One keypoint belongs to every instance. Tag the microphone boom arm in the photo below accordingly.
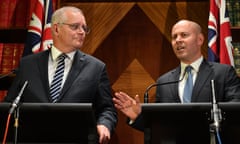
(157, 84)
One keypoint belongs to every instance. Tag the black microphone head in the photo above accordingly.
(8, 74)
(14, 71)
(146, 97)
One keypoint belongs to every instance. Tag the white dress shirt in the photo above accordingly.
(52, 63)
(195, 68)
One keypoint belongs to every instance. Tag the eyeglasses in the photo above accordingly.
(76, 26)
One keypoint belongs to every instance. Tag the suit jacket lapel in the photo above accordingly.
(77, 65)
(174, 87)
(202, 76)
(43, 70)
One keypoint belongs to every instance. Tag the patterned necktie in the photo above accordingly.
(187, 93)
(56, 84)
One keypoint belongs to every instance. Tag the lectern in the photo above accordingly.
(51, 123)
(188, 123)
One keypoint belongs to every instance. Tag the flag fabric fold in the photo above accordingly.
(39, 31)
(220, 47)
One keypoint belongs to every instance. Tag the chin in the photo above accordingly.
(181, 57)
(79, 45)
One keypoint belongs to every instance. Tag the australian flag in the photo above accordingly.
(220, 47)
(39, 31)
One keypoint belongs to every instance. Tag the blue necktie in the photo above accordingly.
(56, 84)
(187, 93)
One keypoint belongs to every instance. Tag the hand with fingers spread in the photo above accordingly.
(127, 105)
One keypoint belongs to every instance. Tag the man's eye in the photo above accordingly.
(75, 26)
(184, 35)
(174, 37)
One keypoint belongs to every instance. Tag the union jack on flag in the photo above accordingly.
(220, 47)
(39, 31)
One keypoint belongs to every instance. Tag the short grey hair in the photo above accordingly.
(60, 14)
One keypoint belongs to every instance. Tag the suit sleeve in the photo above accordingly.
(232, 85)
(105, 111)
(14, 88)
(138, 123)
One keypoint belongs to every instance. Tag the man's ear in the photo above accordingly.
(200, 39)
(55, 29)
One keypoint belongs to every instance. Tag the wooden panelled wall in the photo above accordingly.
(133, 39)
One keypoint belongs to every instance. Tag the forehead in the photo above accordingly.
(75, 16)
(182, 27)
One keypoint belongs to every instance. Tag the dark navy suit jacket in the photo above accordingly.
(226, 81)
(87, 82)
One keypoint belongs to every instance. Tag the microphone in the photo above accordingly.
(8, 74)
(215, 112)
(17, 99)
(158, 84)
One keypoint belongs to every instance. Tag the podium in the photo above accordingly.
(51, 123)
(175, 123)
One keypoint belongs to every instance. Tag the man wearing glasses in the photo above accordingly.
(64, 74)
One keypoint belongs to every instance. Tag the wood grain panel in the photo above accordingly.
(165, 14)
(162, 14)
(133, 39)
(101, 18)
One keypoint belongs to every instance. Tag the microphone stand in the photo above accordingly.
(17, 99)
(15, 108)
(16, 116)
(216, 118)
(158, 84)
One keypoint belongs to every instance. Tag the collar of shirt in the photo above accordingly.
(195, 65)
(52, 63)
(55, 53)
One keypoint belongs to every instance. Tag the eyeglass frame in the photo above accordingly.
(76, 26)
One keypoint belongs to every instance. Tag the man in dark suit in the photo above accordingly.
(187, 40)
(85, 78)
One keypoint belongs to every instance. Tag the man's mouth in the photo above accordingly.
(180, 47)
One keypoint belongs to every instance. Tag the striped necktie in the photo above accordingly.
(56, 84)
(187, 93)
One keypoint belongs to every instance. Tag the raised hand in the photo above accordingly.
(127, 105)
